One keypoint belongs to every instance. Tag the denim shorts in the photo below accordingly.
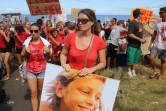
(38, 75)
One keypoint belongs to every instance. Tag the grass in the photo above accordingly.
(140, 93)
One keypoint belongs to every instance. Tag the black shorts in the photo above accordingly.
(112, 50)
(18, 50)
(4, 50)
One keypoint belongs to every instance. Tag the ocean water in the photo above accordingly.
(69, 18)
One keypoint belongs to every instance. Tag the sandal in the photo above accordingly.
(160, 77)
(6, 78)
(154, 75)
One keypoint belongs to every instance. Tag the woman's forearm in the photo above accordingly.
(99, 66)
(63, 59)
(6, 38)
(19, 40)
(57, 43)
(102, 61)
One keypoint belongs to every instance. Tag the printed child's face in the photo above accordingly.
(83, 94)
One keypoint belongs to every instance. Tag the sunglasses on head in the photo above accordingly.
(160, 13)
(36, 31)
(83, 21)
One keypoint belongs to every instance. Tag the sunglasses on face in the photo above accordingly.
(112, 21)
(83, 21)
(36, 31)
(141, 13)
(160, 13)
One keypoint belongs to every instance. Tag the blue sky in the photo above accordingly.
(107, 7)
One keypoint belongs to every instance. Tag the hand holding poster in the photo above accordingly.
(71, 92)
(44, 7)
(147, 13)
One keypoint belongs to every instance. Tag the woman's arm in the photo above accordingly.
(63, 55)
(48, 52)
(7, 37)
(56, 42)
(25, 51)
(19, 39)
(100, 65)
(63, 58)
(102, 60)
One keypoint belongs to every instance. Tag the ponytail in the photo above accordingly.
(96, 28)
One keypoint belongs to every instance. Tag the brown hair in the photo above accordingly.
(48, 24)
(121, 22)
(163, 9)
(70, 25)
(54, 30)
(95, 29)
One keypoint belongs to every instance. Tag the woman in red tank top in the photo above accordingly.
(20, 37)
(56, 42)
(78, 43)
(36, 63)
(5, 51)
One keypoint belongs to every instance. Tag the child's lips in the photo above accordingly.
(84, 108)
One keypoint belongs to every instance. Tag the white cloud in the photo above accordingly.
(8, 10)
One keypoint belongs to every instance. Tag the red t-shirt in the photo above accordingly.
(62, 33)
(43, 25)
(23, 36)
(2, 43)
(77, 57)
(55, 47)
(36, 60)
(123, 34)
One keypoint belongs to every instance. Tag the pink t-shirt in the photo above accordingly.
(77, 57)
(36, 61)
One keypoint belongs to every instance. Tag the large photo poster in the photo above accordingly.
(67, 91)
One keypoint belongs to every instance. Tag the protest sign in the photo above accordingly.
(149, 27)
(144, 47)
(148, 31)
(75, 11)
(61, 17)
(12, 18)
(44, 7)
(147, 13)
(79, 90)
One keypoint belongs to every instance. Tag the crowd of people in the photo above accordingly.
(86, 46)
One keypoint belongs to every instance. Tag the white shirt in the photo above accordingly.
(115, 35)
(160, 27)
(28, 40)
